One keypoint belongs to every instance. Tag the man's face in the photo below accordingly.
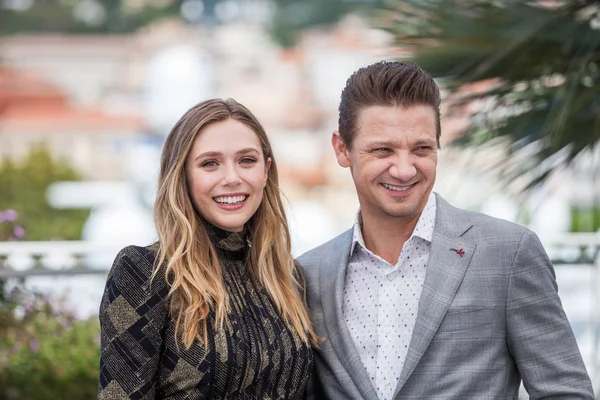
(393, 160)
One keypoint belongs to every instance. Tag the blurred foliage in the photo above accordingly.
(104, 16)
(23, 188)
(119, 16)
(45, 353)
(530, 69)
(585, 219)
(292, 16)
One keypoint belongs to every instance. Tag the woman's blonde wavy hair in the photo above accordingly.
(185, 251)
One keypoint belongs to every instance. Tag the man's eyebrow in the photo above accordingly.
(392, 143)
(383, 143)
(425, 141)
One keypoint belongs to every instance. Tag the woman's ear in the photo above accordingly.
(267, 167)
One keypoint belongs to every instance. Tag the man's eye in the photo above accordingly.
(383, 150)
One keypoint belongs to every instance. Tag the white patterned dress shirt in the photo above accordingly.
(381, 301)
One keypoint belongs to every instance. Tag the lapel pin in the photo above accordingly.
(460, 252)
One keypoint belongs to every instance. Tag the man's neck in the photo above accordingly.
(385, 237)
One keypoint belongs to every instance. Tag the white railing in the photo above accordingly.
(22, 259)
(53, 258)
(574, 248)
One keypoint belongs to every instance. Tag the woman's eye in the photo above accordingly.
(209, 163)
(248, 160)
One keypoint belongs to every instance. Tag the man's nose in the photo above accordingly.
(403, 167)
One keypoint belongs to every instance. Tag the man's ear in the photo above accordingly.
(341, 151)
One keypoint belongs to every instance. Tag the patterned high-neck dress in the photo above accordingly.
(255, 356)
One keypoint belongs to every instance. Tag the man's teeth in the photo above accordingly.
(230, 199)
(397, 188)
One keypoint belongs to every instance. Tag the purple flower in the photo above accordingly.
(11, 215)
(34, 345)
(19, 232)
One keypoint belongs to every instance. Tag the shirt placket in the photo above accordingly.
(387, 327)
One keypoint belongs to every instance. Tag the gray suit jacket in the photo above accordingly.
(487, 319)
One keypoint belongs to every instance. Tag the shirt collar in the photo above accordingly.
(422, 230)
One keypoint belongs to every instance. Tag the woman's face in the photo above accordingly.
(226, 174)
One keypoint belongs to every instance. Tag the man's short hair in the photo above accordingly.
(386, 83)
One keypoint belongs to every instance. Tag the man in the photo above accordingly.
(421, 300)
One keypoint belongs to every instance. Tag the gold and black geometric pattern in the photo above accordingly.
(255, 356)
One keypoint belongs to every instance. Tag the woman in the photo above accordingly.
(215, 309)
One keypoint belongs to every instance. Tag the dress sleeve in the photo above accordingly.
(133, 315)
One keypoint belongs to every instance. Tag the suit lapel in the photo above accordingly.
(445, 271)
(332, 278)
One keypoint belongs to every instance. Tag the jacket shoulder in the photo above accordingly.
(450, 214)
(487, 225)
(313, 256)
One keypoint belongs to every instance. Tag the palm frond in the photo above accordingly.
(540, 65)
